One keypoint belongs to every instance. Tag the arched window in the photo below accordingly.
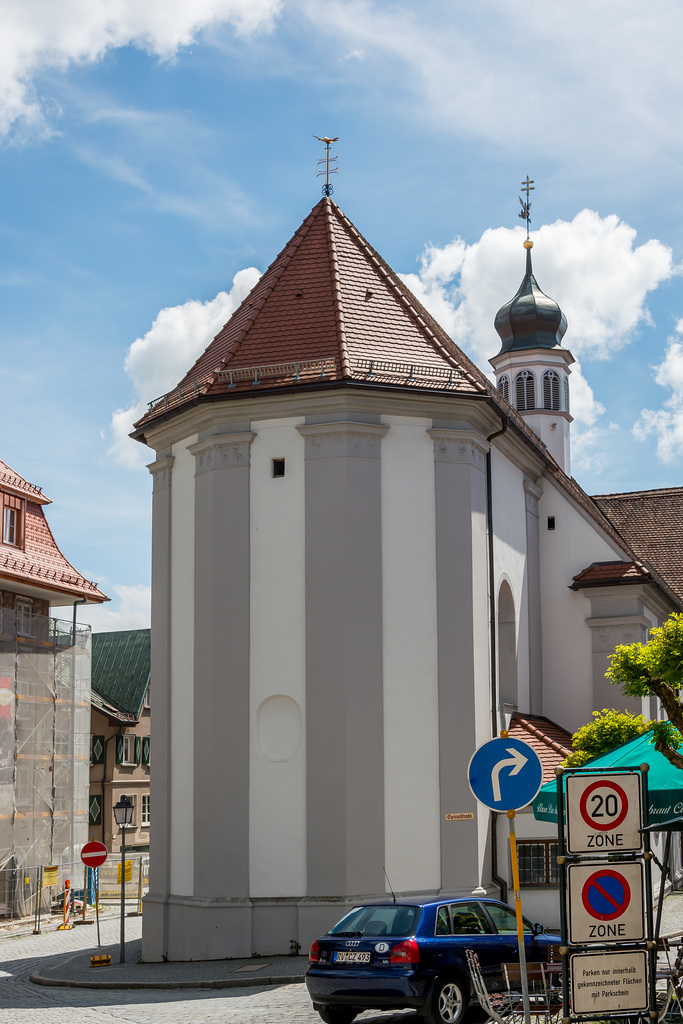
(504, 387)
(566, 393)
(551, 390)
(525, 391)
(507, 647)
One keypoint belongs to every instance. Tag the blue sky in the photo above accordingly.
(155, 157)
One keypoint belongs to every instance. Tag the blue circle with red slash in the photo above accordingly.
(606, 894)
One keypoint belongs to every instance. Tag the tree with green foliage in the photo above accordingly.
(655, 669)
(609, 729)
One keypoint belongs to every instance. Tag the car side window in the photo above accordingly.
(443, 924)
(505, 920)
(468, 919)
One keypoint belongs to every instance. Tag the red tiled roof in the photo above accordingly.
(40, 563)
(651, 522)
(327, 309)
(605, 574)
(551, 742)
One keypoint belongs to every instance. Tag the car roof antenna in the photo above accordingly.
(389, 884)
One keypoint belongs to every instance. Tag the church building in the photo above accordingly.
(364, 555)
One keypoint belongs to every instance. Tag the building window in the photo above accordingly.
(147, 699)
(551, 390)
(12, 520)
(97, 750)
(144, 810)
(566, 393)
(525, 390)
(551, 522)
(128, 749)
(537, 862)
(145, 749)
(23, 608)
(504, 387)
(95, 810)
(278, 467)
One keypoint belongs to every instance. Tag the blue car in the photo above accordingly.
(393, 956)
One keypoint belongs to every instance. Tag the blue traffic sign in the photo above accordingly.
(505, 774)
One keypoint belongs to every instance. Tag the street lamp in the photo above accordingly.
(123, 814)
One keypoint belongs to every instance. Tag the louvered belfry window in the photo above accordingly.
(525, 391)
(551, 390)
(566, 393)
(504, 387)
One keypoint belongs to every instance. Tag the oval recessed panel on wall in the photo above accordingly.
(279, 728)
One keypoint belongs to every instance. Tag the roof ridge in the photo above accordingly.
(336, 289)
(553, 744)
(643, 493)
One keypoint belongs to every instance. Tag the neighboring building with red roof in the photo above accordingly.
(364, 553)
(44, 698)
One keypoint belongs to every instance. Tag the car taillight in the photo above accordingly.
(407, 952)
(314, 953)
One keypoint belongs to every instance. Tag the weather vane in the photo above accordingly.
(527, 186)
(330, 164)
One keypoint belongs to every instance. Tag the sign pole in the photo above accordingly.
(97, 903)
(652, 938)
(518, 915)
(36, 930)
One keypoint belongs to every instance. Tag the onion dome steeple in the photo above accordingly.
(531, 319)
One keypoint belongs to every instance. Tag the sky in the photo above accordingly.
(155, 157)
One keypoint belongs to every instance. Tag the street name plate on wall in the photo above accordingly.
(606, 902)
(603, 813)
(609, 982)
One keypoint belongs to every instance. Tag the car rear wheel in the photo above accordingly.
(449, 1002)
(337, 1014)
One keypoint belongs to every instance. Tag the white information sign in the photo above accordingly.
(608, 982)
(606, 902)
(603, 813)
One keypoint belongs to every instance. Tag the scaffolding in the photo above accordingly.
(44, 750)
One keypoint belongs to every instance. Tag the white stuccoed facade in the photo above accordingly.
(322, 652)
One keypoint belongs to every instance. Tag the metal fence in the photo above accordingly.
(20, 886)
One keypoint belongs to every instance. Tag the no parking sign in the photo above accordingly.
(606, 903)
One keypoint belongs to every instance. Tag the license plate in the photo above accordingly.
(351, 957)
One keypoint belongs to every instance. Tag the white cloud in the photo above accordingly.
(39, 34)
(590, 265)
(156, 362)
(129, 609)
(666, 424)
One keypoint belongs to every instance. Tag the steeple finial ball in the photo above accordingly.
(528, 244)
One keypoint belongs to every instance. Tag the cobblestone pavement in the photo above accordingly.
(22, 1002)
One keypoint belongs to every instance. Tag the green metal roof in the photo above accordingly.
(121, 667)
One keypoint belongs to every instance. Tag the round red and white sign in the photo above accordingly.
(604, 812)
(603, 805)
(93, 854)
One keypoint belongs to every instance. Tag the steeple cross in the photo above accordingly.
(330, 163)
(527, 186)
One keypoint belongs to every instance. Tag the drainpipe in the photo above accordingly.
(495, 877)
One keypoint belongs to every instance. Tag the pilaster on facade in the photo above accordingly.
(466, 447)
(229, 451)
(342, 440)
(162, 472)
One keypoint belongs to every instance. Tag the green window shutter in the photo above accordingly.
(119, 749)
(145, 749)
(97, 749)
(95, 810)
(138, 749)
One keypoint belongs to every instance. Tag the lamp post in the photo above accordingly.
(123, 815)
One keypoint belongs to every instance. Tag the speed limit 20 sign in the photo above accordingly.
(604, 813)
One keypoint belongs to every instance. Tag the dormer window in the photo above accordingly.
(12, 520)
(551, 390)
(525, 390)
(504, 387)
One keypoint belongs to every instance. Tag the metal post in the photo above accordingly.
(122, 953)
(520, 920)
(97, 904)
(651, 940)
(562, 865)
(36, 930)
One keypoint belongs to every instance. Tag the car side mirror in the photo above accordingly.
(538, 929)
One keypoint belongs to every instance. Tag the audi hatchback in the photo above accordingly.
(393, 956)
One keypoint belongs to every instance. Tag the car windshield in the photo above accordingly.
(378, 920)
